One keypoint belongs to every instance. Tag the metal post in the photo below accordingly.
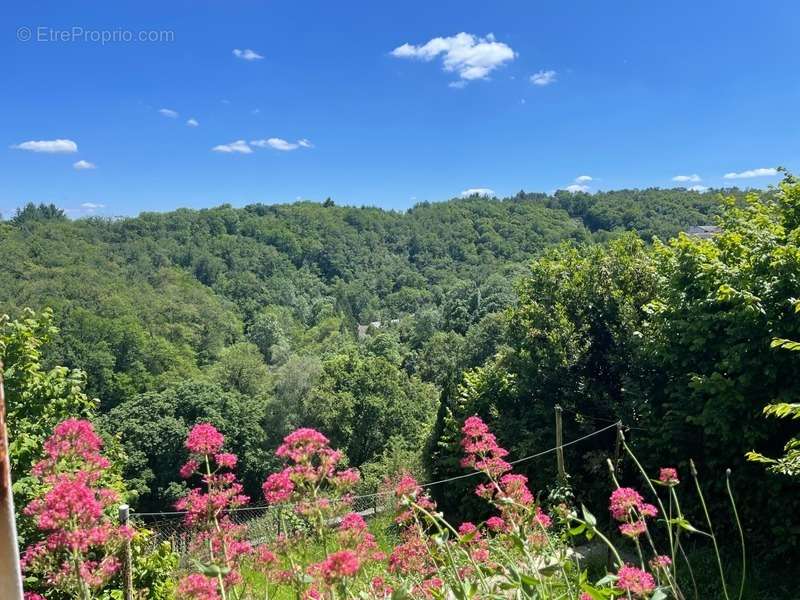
(10, 575)
(562, 473)
(127, 563)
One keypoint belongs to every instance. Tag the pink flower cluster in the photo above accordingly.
(312, 471)
(80, 541)
(481, 449)
(217, 539)
(204, 439)
(507, 491)
(628, 507)
(198, 587)
(669, 476)
(634, 581)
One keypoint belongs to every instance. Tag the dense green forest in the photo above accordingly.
(385, 329)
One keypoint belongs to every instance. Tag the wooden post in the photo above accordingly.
(127, 563)
(562, 472)
(10, 575)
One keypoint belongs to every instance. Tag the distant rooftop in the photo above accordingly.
(703, 231)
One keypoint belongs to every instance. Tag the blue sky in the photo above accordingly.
(385, 103)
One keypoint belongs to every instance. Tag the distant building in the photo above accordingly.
(703, 231)
(363, 329)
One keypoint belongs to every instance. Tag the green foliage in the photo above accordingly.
(719, 304)
(362, 401)
(789, 463)
(153, 425)
(571, 340)
(37, 399)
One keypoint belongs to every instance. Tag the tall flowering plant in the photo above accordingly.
(318, 491)
(78, 553)
(218, 545)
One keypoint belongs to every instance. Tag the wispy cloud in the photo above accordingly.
(477, 192)
(470, 56)
(575, 188)
(684, 178)
(580, 184)
(83, 165)
(92, 206)
(192, 123)
(48, 146)
(543, 78)
(168, 112)
(763, 172)
(239, 146)
(699, 188)
(281, 144)
(247, 54)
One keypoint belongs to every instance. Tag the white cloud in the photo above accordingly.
(693, 178)
(192, 123)
(583, 179)
(239, 146)
(699, 188)
(477, 191)
(92, 205)
(49, 146)
(543, 78)
(281, 144)
(247, 54)
(763, 172)
(83, 165)
(470, 56)
(575, 188)
(168, 112)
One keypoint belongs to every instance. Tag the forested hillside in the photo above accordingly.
(389, 330)
(255, 310)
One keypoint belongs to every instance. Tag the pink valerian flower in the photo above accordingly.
(636, 582)
(204, 439)
(353, 522)
(300, 445)
(542, 519)
(623, 501)
(33, 596)
(515, 487)
(412, 556)
(198, 587)
(73, 446)
(409, 493)
(407, 486)
(79, 541)
(189, 468)
(217, 539)
(427, 587)
(226, 460)
(585, 596)
(467, 528)
(648, 510)
(633, 529)
(668, 476)
(337, 566)
(481, 449)
(497, 524)
(278, 487)
(660, 562)
(379, 587)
